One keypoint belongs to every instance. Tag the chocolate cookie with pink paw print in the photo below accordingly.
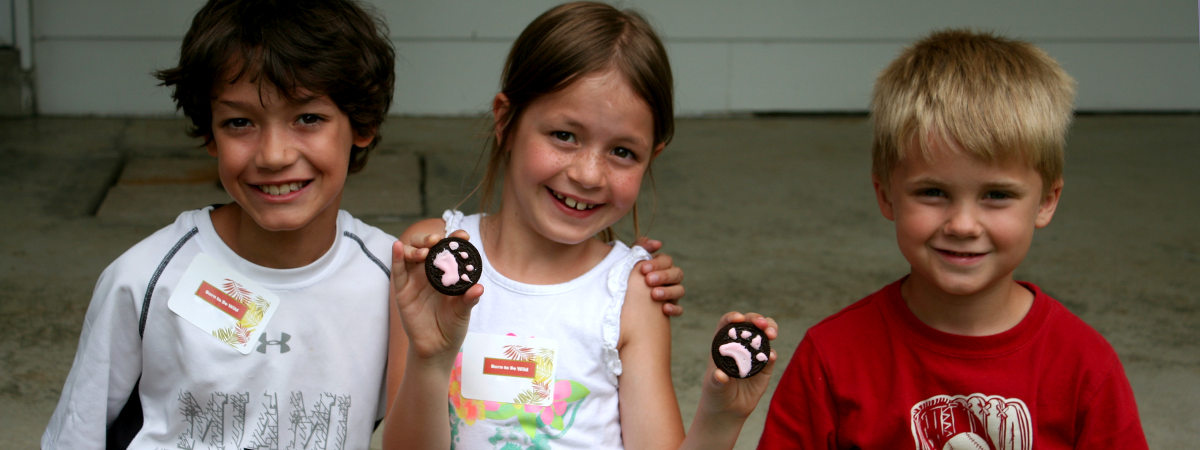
(453, 266)
(741, 350)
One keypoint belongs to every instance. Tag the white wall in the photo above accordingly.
(809, 55)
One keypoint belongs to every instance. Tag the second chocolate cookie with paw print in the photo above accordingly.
(741, 350)
(453, 266)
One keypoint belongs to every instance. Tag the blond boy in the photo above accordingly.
(968, 156)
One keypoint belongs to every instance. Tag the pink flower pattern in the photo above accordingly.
(562, 390)
(466, 409)
(471, 411)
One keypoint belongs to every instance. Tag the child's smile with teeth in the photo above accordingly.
(283, 162)
(577, 157)
(280, 189)
(572, 203)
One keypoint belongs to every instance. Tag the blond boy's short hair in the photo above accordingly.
(997, 98)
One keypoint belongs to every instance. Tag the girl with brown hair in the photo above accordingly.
(566, 349)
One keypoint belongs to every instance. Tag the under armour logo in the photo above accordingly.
(282, 343)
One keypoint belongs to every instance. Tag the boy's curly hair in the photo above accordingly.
(997, 98)
(323, 47)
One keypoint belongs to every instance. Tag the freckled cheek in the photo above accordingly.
(532, 163)
(625, 188)
(541, 169)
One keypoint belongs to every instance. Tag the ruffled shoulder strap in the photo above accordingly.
(618, 284)
(453, 220)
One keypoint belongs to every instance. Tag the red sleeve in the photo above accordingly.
(1110, 418)
(802, 412)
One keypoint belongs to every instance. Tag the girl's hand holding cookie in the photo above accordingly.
(726, 401)
(435, 323)
(742, 347)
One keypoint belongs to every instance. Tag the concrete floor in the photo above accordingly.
(774, 215)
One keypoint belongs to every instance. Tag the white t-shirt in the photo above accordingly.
(584, 317)
(314, 380)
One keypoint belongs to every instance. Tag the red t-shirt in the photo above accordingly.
(873, 376)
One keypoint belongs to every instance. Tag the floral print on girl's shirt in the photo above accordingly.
(536, 425)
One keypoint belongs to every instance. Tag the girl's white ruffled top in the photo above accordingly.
(584, 317)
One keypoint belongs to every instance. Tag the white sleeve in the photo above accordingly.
(618, 286)
(108, 362)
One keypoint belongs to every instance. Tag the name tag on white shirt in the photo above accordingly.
(509, 369)
(232, 308)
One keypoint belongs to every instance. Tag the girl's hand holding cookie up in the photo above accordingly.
(434, 327)
(435, 323)
(726, 401)
(731, 394)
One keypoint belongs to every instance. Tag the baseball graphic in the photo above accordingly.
(974, 422)
(967, 441)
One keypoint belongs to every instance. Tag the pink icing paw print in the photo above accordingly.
(741, 350)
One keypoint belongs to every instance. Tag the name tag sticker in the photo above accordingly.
(232, 308)
(509, 369)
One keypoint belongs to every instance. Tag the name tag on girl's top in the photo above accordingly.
(232, 308)
(509, 369)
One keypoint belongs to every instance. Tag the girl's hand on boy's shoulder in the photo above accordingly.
(435, 323)
(663, 277)
(734, 396)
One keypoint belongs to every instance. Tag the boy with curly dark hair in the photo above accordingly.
(289, 97)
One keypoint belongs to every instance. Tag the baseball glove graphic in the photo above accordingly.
(973, 422)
